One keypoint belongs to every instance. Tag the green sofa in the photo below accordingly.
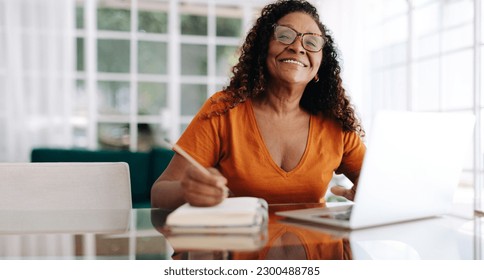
(144, 167)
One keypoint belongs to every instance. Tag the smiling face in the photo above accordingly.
(292, 64)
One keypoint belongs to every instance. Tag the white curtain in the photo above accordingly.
(37, 75)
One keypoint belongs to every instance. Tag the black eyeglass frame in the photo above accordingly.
(299, 34)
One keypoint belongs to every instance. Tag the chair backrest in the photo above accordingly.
(138, 162)
(65, 185)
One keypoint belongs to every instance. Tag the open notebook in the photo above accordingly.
(233, 215)
(410, 171)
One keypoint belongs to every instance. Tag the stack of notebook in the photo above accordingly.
(238, 223)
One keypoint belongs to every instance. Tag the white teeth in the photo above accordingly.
(293, 62)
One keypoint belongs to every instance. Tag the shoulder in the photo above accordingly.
(214, 103)
(331, 127)
(327, 123)
(221, 104)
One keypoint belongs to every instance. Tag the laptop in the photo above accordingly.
(410, 171)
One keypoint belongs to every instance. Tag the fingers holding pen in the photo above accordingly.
(204, 188)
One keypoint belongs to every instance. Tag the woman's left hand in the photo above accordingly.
(344, 192)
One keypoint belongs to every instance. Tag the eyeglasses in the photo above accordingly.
(311, 42)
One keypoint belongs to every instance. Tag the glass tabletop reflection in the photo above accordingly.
(140, 234)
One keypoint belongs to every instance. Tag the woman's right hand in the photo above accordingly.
(201, 189)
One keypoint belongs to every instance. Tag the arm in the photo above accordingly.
(344, 192)
(351, 163)
(181, 182)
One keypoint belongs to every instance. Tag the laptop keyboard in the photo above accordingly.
(337, 214)
(343, 215)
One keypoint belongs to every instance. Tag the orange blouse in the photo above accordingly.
(233, 144)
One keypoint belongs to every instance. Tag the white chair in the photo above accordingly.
(64, 185)
(41, 203)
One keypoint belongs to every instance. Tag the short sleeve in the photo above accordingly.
(353, 153)
(201, 139)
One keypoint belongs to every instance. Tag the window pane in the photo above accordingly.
(229, 27)
(152, 22)
(226, 59)
(113, 56)
(464, 195)
(392, 81)
(427, 45)
(457, 80)
(146, 136)
(79, 137)
(417, 3)
(113, 19)
(389, 56)
(466, 183)
(80, 115)
(394, 8)
(468, 153)
(151, 98)
(80, 54)
(426, 20)
(2, 51)
(219, 87)
(183, 126)
(116, 136)
(458, 12)
(377, 91)
(194, 59)
(192, 98)
(113, 98)
(3, 98)
(193, 25)
(377, 59)
(397, 85)
(80, 100)
(80, 111)
(397, 54)
(425, 91)
(3, 140)
(481, 158)
(79, 17)
(152, 57)
(458, 38)
(482, 35)
(395, 31)
(113, 136)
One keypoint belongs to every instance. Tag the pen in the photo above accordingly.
(190, 159)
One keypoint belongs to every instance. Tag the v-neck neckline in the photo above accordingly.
(266, 152)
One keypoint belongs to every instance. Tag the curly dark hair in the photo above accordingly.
(250, 74)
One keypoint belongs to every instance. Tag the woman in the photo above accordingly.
(279, 129)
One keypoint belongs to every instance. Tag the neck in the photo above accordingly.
(281, 101)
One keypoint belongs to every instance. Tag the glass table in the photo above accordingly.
(140, 234)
